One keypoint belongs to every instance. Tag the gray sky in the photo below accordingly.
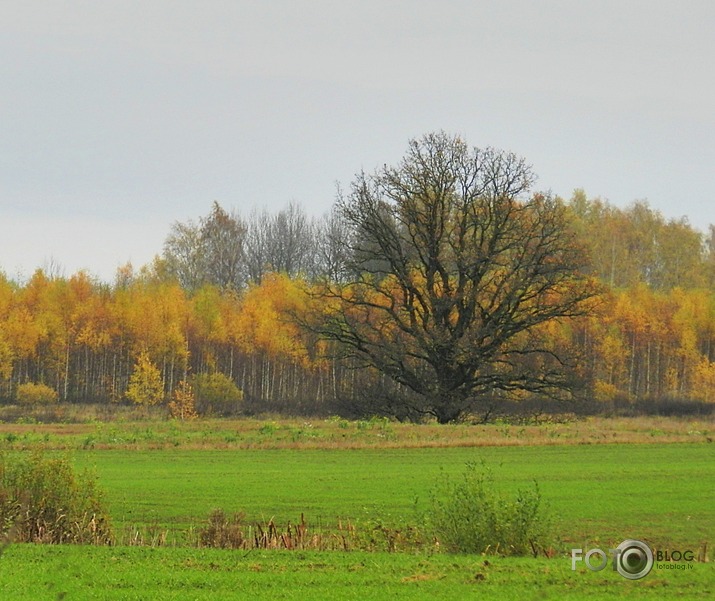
(118, 118)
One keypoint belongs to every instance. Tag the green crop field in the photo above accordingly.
(163, 482)
(36, 573)
(663, 493)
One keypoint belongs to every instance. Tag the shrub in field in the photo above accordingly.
(472, 516)
(32, 394)
(223, 532)
(44, 500)
(216, 393)
(183, 403)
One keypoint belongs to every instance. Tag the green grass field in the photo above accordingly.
(36, 573)
(599, 494)
(661, 493)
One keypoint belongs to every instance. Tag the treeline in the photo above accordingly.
(653, 336)
(84, 338)
(637, 245)
(225, 293)
(230, 252)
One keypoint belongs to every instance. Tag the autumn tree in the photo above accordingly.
(331, 256)
(638, 245)
(223, 237)
(456, 266)
(284, 242)
(6, 351)
(184, 254)
(211, 251)
(258, 245)
(183, 403)
(145, 384)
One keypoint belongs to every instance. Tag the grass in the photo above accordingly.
(336, 433)
(651, 481)
(36, 573)
(599, 493)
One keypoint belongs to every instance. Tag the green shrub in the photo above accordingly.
(472, 516)
(43, 500)
(32, 394)
(216, 394)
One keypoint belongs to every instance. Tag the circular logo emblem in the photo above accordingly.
(634, 560)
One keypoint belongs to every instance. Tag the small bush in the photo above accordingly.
(32, 394)
(471, 516)
(223, 532)
(43, 500)
(216, 393)
(183, 404)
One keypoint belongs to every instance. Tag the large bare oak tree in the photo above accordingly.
(456, 268)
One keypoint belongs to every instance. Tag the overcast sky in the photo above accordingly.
(118, 118)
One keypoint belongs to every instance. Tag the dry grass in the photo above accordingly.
(234, 532)
(222, 531)
(336, 433)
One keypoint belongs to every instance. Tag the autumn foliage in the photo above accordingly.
(650, 335)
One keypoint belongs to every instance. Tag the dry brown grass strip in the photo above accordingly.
(251, 433)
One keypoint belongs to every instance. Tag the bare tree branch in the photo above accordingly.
(452, 262)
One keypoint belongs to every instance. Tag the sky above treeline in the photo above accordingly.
(119, 118)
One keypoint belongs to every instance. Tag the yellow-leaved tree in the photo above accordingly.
(145, 385)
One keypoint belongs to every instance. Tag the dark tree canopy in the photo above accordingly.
(456, 268)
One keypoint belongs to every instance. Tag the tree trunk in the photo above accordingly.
(448, 408)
